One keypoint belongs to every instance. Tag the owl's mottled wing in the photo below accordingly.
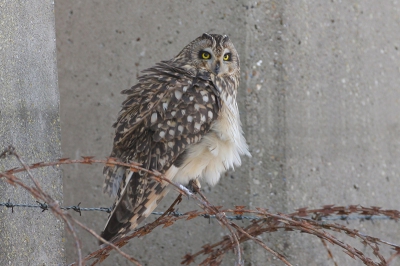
(166, 112)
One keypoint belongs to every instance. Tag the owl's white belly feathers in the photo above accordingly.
(218, 151)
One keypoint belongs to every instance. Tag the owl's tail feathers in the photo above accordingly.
(124, 208)
(113, 229)
(132, 208)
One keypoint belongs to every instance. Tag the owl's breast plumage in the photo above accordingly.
(218, 151)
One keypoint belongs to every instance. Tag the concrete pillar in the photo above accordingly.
(319, 100)
(29, 120)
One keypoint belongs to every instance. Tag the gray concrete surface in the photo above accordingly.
(29, 120)
(319, 101)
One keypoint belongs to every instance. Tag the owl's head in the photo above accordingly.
(214, 53)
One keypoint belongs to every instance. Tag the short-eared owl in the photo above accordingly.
(182, 120)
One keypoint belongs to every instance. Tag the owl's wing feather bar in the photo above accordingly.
(165, 113)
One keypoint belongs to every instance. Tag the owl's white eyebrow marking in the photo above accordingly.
(226, 50)
(210, 51)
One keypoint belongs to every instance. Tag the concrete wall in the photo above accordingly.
(319, 100)
(29, 120)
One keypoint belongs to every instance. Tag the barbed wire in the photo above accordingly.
(305, 220)
(79, 209)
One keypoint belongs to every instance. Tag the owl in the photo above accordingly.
(182, 120)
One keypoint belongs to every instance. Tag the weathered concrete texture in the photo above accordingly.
(29, 120)
(319, 102)
(327, 98)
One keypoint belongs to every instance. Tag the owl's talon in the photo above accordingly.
(194, 185)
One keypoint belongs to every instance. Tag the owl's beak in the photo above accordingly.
(216, 68)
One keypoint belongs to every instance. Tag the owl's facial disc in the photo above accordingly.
(217, 63)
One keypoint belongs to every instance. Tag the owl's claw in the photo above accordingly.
(194, 185)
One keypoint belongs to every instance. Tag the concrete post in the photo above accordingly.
(29, 120)
(319, 99)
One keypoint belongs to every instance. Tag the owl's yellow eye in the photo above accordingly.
(205, 55)
(227, 57)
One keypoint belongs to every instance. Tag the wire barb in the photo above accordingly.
(8, 204)
(43, 206)
(77, 208)
(7, 151)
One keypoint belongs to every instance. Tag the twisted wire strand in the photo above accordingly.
(79, 209)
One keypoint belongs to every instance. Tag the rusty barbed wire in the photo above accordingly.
(36, 191)
(79, 209)
(304, 220)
